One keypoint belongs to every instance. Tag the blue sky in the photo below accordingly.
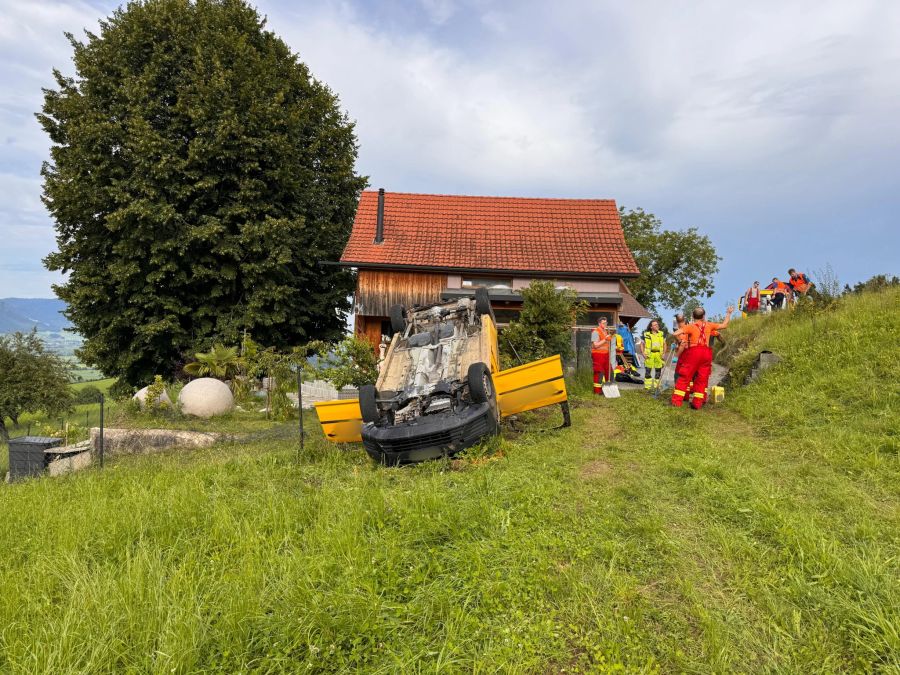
(773, 127)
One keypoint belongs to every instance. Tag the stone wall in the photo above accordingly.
(320, 390)
(124, 441)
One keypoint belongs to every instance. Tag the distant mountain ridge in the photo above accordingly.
(23, 314)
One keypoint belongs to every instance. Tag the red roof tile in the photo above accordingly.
(578, 236)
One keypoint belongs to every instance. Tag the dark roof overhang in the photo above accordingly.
(542, 274)
(506, 295)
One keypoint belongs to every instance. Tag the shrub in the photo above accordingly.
(87, 394)
(153, 404)
(877, 283)
(827, 287)
(544, 327)
(120, 390)
(351, 363)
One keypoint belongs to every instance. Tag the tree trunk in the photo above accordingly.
(4, 434)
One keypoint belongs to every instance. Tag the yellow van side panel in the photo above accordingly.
(341, 420)
(533, 385)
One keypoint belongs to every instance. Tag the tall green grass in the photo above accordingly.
(644, 538)
(837, 390)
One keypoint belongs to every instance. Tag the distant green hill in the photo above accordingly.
(23, 314)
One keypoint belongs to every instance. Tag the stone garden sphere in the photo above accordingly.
(205, 397)
(141, 398)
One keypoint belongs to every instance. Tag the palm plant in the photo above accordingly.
(220, 362)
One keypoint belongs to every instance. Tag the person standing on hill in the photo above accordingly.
(678, 334)
(799, 283)
(696, 361)
(600, 340)
(751, 299)
(652, 348)
(781, 291)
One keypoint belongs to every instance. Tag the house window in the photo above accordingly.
(592, 316)
(476, 282)
(505, 316)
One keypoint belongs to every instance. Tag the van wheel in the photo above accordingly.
(398, 318)
(367, 403)
(481, 384)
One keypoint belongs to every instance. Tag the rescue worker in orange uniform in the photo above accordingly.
(600, 341)
(782, 292)
(696, 361)
(799, 283)
(678, 334)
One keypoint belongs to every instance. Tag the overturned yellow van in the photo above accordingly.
(440, 388)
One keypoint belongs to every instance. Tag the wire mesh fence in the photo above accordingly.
(79, 423)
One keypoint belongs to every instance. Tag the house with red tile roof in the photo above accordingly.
(414, 249)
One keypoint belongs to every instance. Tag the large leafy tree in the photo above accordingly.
(676, 265)
(31, 379)
(199, 174)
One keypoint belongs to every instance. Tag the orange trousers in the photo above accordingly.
(600, 362)
(694, 364)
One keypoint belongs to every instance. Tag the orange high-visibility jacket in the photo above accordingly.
(603, 338)
(800, 283)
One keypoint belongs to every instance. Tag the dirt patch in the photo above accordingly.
(595, 469)
(463, 463)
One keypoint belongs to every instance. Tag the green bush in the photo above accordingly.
(544, 327)
(87, 394)
(120, 390)
(351, 363)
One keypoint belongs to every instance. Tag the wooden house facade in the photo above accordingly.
(415, 249)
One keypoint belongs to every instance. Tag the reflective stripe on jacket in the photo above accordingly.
(654, 342)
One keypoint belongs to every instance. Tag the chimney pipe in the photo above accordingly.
(379, 223)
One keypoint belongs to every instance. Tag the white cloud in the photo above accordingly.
(32, 43)
(439, 11)
(710, 113)
(596, 99)
(776, 118)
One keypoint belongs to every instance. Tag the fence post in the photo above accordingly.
(102, 404)
(300, 407)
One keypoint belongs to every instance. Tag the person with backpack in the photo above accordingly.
(695, 364)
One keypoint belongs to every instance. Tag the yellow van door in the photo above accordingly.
(533, 385)
(341, 420)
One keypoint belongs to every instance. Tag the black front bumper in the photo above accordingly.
(431, 436)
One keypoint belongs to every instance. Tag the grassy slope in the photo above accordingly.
(749, 537)
(102, 385)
